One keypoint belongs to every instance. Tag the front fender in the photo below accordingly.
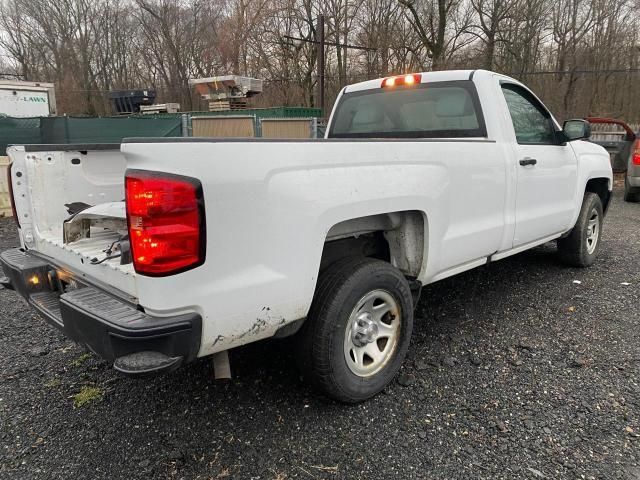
(594, 162)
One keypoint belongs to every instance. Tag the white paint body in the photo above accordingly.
(270, 205)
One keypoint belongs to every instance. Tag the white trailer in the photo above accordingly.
(27, 99)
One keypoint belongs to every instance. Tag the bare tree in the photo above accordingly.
(429, 20)
(579, 55)
(490, 16)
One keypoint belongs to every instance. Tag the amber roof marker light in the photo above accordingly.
(402, 80)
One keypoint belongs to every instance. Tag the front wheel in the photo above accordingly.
(358, 329)
(580, 248)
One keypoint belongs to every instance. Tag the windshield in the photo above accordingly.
(427, 110)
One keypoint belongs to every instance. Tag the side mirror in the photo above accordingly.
(576, 129)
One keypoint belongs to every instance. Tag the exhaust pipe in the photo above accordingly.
(221, 366)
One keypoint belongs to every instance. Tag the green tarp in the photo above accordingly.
(18, 131)
(56, 130)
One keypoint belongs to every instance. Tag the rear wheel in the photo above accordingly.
(580, 248)
(358, 329)
(631, 194)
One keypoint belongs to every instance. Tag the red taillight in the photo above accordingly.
(407, 80)
(10, 188)
(635, 159)
(165, 214)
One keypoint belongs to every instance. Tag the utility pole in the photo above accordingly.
(320, 50)
(320, 59)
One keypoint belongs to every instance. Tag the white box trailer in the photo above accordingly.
(27, 99)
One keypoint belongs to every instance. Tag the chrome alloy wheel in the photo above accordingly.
(593, 231)
(373, 330)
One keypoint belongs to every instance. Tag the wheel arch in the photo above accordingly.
(601, 187)
(399, 237)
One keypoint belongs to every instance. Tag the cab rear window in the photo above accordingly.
(427, 110)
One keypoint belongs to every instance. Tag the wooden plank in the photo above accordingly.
(223, 127)
(286, 128)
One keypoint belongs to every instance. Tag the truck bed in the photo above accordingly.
(45, 179)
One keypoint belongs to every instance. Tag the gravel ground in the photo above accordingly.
(515, 370)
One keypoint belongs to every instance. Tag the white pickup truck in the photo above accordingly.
(159, 251)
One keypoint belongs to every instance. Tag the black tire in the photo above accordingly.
(630, 194)
(576, 249)
(320, 344)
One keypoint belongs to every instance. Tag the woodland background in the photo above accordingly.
(581, 56)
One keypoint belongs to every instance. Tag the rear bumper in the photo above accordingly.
(112, 327)
(634, 181)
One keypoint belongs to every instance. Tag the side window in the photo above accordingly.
(531, 122)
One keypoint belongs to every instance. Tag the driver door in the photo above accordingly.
(547, 169)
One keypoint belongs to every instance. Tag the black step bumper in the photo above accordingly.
(112, 327)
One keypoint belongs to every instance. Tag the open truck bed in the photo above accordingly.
(49, 177)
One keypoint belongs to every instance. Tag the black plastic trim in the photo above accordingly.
(112, 338)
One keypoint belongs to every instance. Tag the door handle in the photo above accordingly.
(528, 161)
